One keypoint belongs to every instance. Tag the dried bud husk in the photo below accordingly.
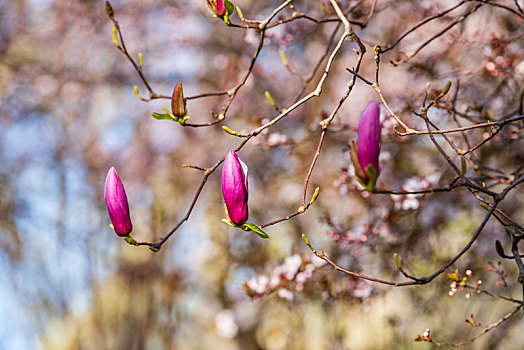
(365, 153)
(217, 6)
(353, 152)
(178, 103)
(109, 10)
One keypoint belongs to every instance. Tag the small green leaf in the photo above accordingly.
(229, 131)
(135, 89)
(169, 113)
(397, 260)
(183, 120)
(324, 8)
(230, 8)
(269, 98)
(463, 166)
(485, 206)
(257, 230)
(315, 195)
(130, 240)
(509, 230)
(305, 239)
(372, 173)
(169, 116)
(140, 59)
(248, 227)
(115, 40)
(240, 14)
(160, 116)
(283, 57)
(453, 277)
(446, 89)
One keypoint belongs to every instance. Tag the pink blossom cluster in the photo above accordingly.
(271, 140)
(500, 58)
(497, 269)
(294, 272)
(457, 286)
(357, 289)
(413, 184)
(426, 335)
(361, 234)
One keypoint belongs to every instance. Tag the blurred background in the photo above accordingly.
(68, 113)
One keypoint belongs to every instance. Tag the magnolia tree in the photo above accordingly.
(385, 138)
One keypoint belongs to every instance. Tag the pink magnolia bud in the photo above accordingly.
(217, 6)
(117, 205)
(369, 138)
(235, 189)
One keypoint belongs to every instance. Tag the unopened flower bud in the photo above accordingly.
(369, 138)
(117, 205)
(178, 103)
(217, 6)
(235, 188)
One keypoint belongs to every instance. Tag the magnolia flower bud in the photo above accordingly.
(117, 205)
(178, 103)
(369, 138)
(217, 6)
(235, 189)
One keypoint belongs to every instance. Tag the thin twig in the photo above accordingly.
(412, 54)
(427, 20)
(415, 281)
(486, 330)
